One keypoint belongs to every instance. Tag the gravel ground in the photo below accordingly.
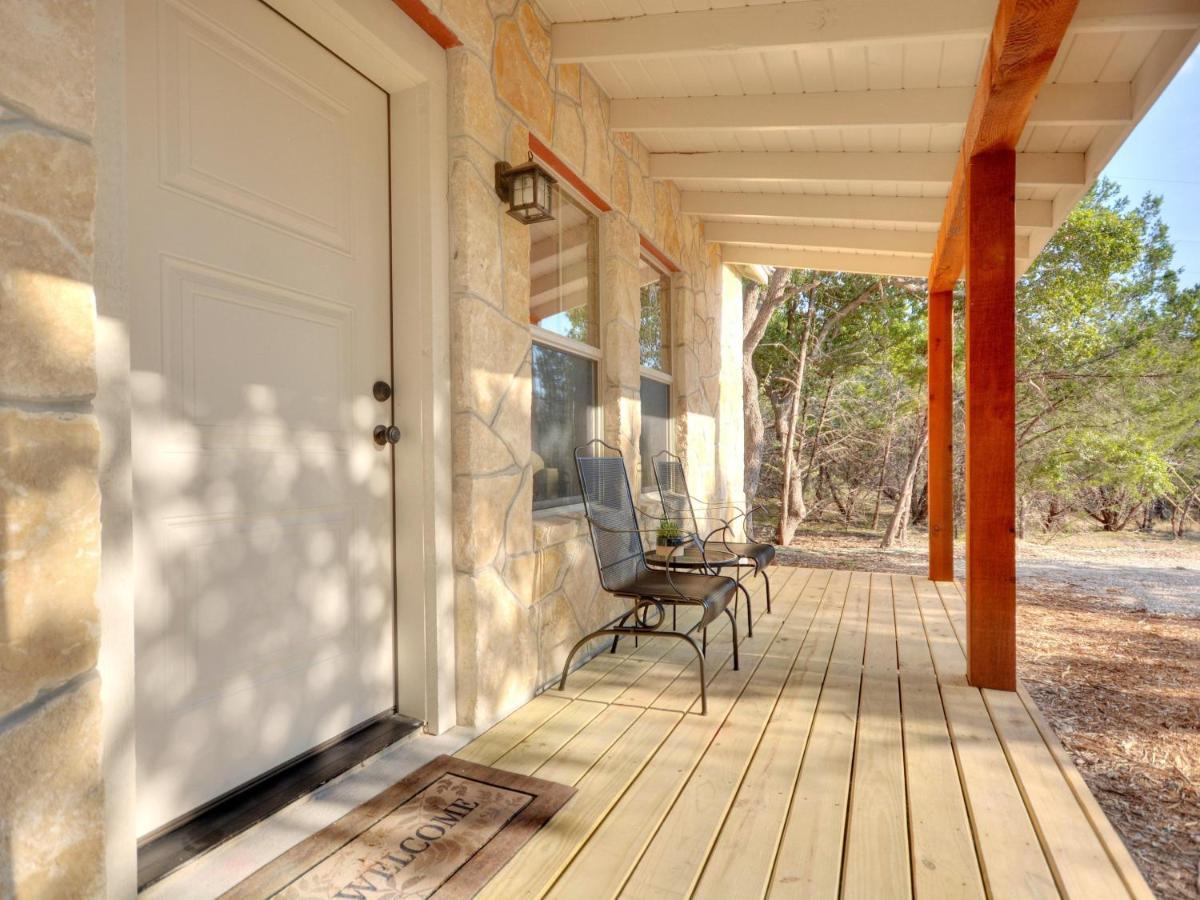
(1137, 571)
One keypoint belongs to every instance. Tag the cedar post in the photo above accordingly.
(941, 435)
(991, 420)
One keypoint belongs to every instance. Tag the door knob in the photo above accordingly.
(386, 434)
(382, 391)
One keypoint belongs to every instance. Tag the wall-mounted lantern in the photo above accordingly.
(527, 189)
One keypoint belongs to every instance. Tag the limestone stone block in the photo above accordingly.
(620, 194)
(550, 565)
(555, 529)
(569, 142)
(502, 7)
(627, 141)
(497, 648)
(666, 226)
(567, 80)
(480, 508)
(511, 422)
(519, 574)
(47, 61)
(518, 531)
(518, 140)
(472, 102)
(474, 232)
(52, 178)
(515, 278)
(472, 21)
(595, 130)
(52, 797)
(477, 449)
(47, 306)
(558, 630)
(488, 350)
(537, 37)
(520, 83)
(49, 551)
(580, 579)
(641, 205)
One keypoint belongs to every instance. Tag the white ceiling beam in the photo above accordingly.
(919, 210)
(826, 23)
(1055, 169)
(1057, 104)
(873, 239)
(876, 240)
(829, 261)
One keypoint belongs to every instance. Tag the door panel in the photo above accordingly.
(259, 242)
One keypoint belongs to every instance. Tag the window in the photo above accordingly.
(655, 335)
(563, 257)
(655, 331)
(562, 272)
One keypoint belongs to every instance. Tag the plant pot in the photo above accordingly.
(667, 546)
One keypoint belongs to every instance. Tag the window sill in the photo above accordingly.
(557, 524)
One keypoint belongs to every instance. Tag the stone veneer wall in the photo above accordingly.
(526, 586)
(51, 794)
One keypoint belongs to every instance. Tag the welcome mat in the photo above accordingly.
(443, 831)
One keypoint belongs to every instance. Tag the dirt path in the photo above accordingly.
(1108, 634)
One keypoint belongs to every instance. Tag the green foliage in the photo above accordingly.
(669, 531)
(1108, 369)
(1108, 359)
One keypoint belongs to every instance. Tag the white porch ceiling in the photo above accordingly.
(797, 129)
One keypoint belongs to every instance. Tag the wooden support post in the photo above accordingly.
(991, 420)
(941, 435)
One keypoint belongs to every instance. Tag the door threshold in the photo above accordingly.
(164, 850)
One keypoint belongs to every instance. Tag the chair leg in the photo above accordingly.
(763, 573)
(703, 680)
(749, 612)
(733, 625)
(617, 635)
(704, 644)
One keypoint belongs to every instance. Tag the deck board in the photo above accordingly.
(848, 757)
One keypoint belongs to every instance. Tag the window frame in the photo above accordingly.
(572, 347)
(647, 484)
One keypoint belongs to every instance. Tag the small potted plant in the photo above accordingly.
(670, 538)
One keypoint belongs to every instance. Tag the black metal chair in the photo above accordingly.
(677, 504)
(621, 561)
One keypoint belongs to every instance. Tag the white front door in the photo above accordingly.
(259, 261)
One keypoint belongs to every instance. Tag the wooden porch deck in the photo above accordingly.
(847, 757)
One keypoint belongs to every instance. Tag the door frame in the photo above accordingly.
(380, 41)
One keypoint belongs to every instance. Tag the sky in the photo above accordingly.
(1162, 156)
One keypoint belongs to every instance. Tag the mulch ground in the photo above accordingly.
(1120, 687)
(1122, 691)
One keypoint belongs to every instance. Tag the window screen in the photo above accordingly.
(564, 408)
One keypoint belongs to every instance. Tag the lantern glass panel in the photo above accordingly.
(523, 189)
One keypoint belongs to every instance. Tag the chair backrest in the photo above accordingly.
(673, 491)
(612, 517)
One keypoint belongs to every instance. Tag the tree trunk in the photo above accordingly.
(899, 521)
(755, 432)
(887, 455)
(791, 506)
